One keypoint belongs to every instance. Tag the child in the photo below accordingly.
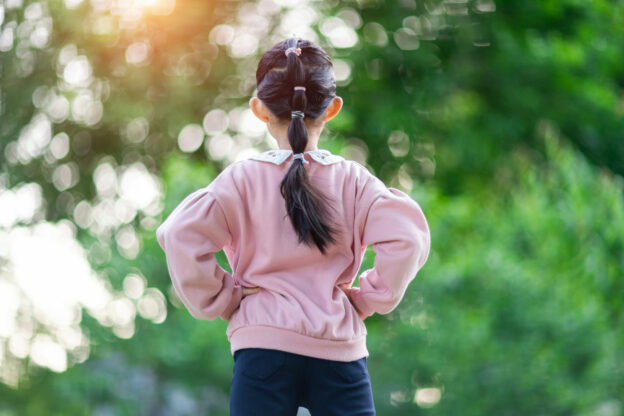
(294, 224)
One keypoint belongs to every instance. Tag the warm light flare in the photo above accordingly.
(156, 7)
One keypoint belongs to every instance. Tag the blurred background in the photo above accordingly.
(503, 119)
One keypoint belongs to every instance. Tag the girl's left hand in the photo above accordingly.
(346, 288)
(250, 290)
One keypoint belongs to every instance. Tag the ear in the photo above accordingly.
(333, 109)
(259, 109)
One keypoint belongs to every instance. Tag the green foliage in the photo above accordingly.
(517, 309)
(482, 76)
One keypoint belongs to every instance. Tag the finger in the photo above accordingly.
(250, 290)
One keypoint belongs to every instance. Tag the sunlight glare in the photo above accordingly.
(221, 34)
(342, 70)
(190, 138)
(134, 285)
(375, 33)
(137, 53)
(105, 180)
(66, 175)
(78, 71)
(406, 39)
(215, 121)
(138, 186)
(152, 305)
(34, 137)
(20, 204)
(427, 397)
(398, 143)
(47, 353)
(250, 125)
(49, 291)
(219, 146)
(243, 44)
(72, 4)
(338, 32)
(127, 242)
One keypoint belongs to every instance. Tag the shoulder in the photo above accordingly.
(251, 168)
(226, 174)
(359, 169)
(364, 176)
(226, 185)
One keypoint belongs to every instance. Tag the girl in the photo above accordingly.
(294, 224)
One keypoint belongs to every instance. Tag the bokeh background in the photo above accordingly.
(503, 119)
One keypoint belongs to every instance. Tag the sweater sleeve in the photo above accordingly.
(190, 237)
(396, 227)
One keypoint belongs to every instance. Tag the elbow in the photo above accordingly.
(161, 235)
(202, 310)
(419, 247)
(392, 300)
(388, 306)
(381, 302)
(170, 235)
(212, 313)
(203, 315)
(416, 239)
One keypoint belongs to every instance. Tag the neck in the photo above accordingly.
(279, 131)
(312, 145)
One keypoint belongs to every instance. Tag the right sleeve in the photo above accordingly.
(397, 228)
(191, 235)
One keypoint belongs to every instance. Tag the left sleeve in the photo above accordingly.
(191, 235)
(397, 228)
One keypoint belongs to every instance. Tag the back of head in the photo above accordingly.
(296, 81)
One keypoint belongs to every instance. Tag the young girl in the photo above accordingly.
(294, 224)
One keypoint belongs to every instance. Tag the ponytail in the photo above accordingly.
(306, 206)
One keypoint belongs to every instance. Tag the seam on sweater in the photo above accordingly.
(227, 224)
(297, 332)
(216, 200)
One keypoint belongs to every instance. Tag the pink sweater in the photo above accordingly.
(300, 307)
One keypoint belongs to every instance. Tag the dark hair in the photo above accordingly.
(277, 75)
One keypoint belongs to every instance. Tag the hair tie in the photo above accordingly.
(299, 88)
(296, 113)
(293, 49)
(300, 156)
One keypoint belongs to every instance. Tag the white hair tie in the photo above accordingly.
(300, 156)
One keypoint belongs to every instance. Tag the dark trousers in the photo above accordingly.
(275, 383)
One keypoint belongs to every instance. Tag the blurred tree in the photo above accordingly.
(466, 81)
(518, 313)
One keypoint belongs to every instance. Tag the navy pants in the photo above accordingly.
(275, 383)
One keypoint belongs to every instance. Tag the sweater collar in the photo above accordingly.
(278, 156)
